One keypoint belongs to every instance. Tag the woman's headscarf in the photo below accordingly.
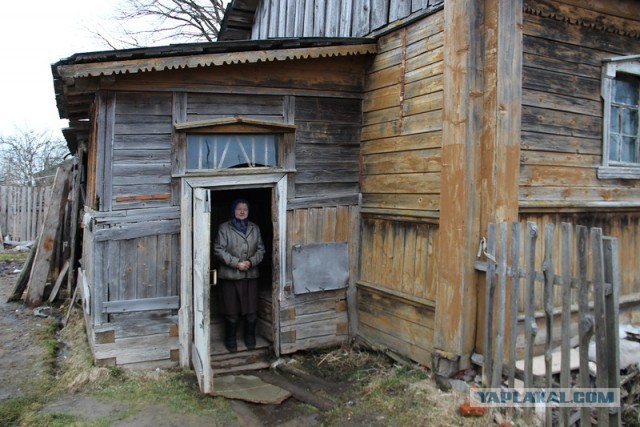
(239, 224)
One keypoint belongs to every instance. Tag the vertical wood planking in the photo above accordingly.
(516, 236)
(501, 303)
(599, 314)
(585, 328)
(548, 271)
(566, 235)
(489, 304)
(530, 328)
(612, 307)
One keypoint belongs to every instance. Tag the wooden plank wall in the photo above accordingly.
(332, 18)
(402, 130)
(562, 109)
(319, 318)
(326, 147)
(22, 211)
(401, 163)
(141, 163)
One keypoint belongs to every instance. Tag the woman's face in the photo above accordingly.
(241, 211)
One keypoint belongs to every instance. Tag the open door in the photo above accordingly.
(201, 290)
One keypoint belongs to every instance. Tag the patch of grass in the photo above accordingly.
(16, 256)
(398, 395)
(23, 410)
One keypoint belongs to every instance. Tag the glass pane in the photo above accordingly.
(629, 122)
(615, 119)
(625, 90)
(614, 145)
(628, 150)
(193, 151)
(223, 151)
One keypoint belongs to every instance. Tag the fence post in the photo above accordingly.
(585, 325)
(515, 295)
(566, 234)
(488, 304)
(549, 272)
(502, 297)
(611, 278)
(599, 318)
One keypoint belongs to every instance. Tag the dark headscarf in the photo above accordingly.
(240, 225)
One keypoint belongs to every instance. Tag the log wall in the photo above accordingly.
(562, 108)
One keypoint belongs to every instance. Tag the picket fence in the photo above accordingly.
(597, 316)
(22, 211)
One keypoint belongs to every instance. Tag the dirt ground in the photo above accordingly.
(350, 387)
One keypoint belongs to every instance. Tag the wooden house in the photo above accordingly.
(385, 136)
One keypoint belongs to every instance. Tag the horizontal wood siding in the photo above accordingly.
(203, 106)
(402, 129)
(564, 45)
(332, 18)
(403, 326)
(141, 159)
(319, 318)
(326, 147)
(138, 342)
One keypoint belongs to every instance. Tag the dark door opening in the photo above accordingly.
(260, 213)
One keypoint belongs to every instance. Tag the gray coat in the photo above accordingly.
(231, 246)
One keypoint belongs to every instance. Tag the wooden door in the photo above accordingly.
(201, 290)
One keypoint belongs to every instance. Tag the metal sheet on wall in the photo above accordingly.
(320, 267)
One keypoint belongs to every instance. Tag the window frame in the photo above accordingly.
(285, 137)
(610, 69)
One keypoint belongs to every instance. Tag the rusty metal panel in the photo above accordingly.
(320, 267)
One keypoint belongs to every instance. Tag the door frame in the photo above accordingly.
(277, 181)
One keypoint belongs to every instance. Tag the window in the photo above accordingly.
(621, 129)
(224, 151)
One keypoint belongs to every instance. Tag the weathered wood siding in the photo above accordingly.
(141, 153)
(564, 44)
(319, 318)
(401, 163)
(326, 146)
(332, 18)
(402, 129)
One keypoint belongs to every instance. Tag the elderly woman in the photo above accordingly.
(240, 249)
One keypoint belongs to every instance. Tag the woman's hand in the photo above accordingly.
(243, 265)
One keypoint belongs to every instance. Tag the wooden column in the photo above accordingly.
(480, 158)
(500, 141)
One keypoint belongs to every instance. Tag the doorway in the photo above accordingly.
(260, 213)
(205, 205)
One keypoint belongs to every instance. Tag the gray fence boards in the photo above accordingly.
(22, 211)
(587, 254)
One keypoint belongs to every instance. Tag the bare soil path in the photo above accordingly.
(351, 388)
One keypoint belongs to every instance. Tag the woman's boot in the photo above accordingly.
(250, 331)
(230, 328)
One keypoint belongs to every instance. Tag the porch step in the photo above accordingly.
(242, 360)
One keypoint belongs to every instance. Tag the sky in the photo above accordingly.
(33, 35)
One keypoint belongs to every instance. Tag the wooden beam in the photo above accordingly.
(46, 243)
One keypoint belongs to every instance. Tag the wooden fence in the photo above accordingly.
(22, 211)
(586, 251)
